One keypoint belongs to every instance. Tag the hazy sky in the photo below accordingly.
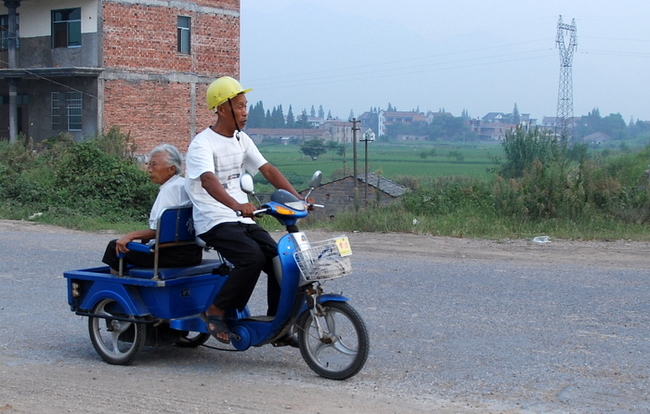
(482, 56)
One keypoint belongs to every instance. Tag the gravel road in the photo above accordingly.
(456, 325)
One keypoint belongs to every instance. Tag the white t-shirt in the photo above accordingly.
(228, 158)
(171, 194)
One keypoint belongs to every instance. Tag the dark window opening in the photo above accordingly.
(4, 32)
(183, 32)
(66, 28)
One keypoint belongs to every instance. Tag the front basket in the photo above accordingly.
(325, 260)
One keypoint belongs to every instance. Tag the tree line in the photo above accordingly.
(447, 127)
(258, 117)
(612, 125)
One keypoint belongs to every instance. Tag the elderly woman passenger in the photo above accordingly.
(164, 168)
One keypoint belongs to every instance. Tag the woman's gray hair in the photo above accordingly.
(173, 156)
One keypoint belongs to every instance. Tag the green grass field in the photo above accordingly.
(392, 160)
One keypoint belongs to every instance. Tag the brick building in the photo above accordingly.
(84, 66)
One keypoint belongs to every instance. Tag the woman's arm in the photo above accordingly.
(120, 245)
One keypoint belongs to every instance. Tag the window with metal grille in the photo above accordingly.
(67, 113)
(56, 111)
(183, 32)
(66, 28)
(73, 101)
(4, 32)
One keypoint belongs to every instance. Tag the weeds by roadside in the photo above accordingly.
(77, 185)
(542, 188)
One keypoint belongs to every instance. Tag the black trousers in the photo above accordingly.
(250, 249)
(177, 256)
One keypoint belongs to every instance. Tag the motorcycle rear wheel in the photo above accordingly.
(343, 349)
(116, 341)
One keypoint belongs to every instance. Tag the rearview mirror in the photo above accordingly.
(246, 183)
(316, 179)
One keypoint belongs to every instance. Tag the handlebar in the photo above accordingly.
(260, 211)
(257, 213)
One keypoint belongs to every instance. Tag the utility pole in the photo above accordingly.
(11, 6)
(303, 117)
(564, 119)
(345, 144)
(354, 157)
(368, 136)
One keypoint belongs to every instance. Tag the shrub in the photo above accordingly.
(94, 178)
(103, 181)
(408, 181)
(448, 194)
(542, 192)
(523, 146)
(17, 156)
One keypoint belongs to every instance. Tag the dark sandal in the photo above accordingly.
(219, 324)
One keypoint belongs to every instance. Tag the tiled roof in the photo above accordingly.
(389, 187)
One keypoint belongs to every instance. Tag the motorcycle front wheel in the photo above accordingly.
(340, 348)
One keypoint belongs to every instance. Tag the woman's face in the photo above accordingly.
(159, 169)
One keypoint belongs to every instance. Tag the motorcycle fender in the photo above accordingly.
(325, 298)
(125, 297)
(332, 297)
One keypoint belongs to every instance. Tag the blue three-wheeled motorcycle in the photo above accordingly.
(158, 306)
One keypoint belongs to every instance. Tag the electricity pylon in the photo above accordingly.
(564, 119)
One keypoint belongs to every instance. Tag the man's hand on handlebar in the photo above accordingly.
(246, 210)
(310, 203)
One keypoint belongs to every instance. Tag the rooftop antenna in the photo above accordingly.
(564, 119)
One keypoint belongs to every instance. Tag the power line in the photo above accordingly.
(404, 70)
(403, 62)
(614, 53)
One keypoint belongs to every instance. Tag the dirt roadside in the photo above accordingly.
(617, 253)
(614, 253)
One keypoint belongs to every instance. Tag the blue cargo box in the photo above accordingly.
(171, 298)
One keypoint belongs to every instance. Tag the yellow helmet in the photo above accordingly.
(223, 89)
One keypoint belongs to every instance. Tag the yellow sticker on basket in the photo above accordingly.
(343, 245)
